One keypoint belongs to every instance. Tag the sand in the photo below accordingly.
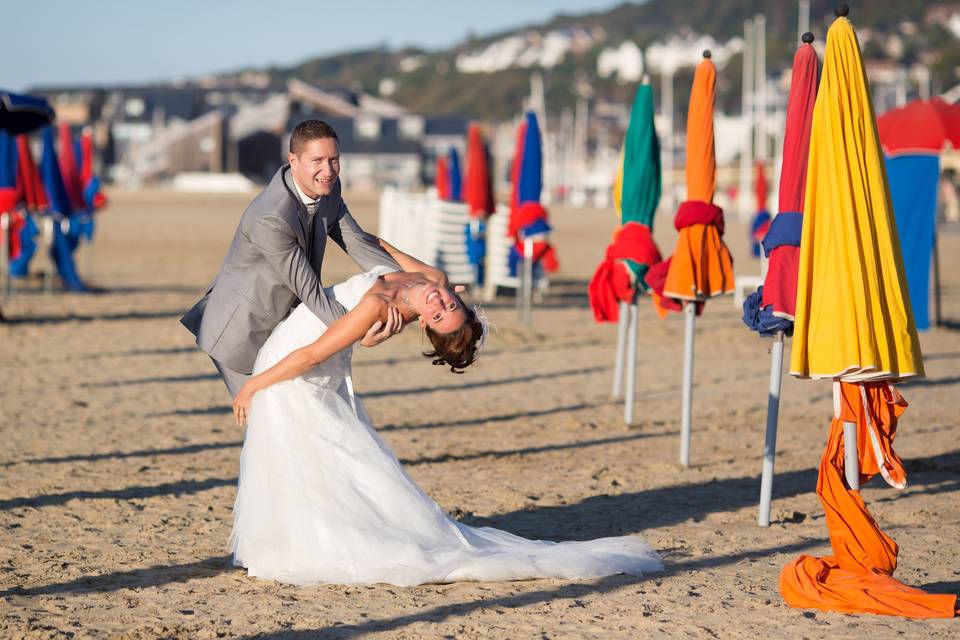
(119, 459)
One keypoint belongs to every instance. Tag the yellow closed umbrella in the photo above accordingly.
(854, 324)
(853, 319)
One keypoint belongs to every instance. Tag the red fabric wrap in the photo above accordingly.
(612, 281)
(634, 242)
(694, 212)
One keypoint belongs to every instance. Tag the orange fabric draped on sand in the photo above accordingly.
(701, 266)
(858, 577)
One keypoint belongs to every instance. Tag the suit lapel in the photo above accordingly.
(301, 210)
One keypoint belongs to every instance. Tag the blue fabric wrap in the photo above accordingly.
(536, 227)
(785, 229)
(762, 320)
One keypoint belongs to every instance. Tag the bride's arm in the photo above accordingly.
(341, 334)
(411, 265)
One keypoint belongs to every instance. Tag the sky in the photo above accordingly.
(62, 42)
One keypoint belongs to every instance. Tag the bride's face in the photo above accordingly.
(439, 308)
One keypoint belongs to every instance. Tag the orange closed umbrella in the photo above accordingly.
(701, 266)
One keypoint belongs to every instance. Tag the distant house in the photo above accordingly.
(149, 134)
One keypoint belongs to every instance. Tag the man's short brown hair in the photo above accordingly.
(310, 130)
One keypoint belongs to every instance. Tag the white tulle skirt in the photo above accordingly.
(323, 499)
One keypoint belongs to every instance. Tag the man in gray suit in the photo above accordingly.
(275, 258)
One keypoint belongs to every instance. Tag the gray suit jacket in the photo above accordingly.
(270, 266)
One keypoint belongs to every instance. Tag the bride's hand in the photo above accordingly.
(241, 404)
(380, 331)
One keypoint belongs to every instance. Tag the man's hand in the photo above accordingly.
(381, 331)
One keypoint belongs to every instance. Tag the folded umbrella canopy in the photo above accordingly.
(913, 136)
(456, 180)
(914, 181)
(478, 187)
(701, 266)
(23, 113)
(441, 179)
(853, 324)
(34, 200)
(478, 194)
(853, 316)
(636, 194)
(65, 241)
(771, 308)
(920, 126)
(11, 195)
(528, 217)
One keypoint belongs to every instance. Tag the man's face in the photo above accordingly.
(317, 168)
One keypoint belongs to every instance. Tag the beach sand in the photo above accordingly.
(119, 459)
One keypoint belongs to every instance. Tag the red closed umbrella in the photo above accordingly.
(478, 190)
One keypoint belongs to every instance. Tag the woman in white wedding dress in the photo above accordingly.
(322, 499)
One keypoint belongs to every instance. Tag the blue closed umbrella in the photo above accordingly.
(64, 243)
(456, 180)
(531, 168)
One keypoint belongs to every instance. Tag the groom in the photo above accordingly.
(275, 258)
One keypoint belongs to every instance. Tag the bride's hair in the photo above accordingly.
(459, 348)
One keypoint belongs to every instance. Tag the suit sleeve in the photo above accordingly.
(362, 247)
(278, 244)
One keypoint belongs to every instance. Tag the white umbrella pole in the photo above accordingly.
(621, 347)
(521, 272)
(851, 460)
(770, 440)
(4, 255)
(527, 280)
(631, 366)
(48, 252)
(938, 319)
(475, 236)
(690, 311)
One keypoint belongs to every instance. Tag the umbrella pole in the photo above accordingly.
(851, 460)
(936, 279)
(521, 287)
(690, 311)
(631, 366)
(770, 440)
(621, 347)
(474, 231)
(4, 256)
(527, 281)
(48, 252)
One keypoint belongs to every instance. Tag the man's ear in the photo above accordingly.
(292, 159)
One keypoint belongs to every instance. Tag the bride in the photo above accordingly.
(322, 499)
